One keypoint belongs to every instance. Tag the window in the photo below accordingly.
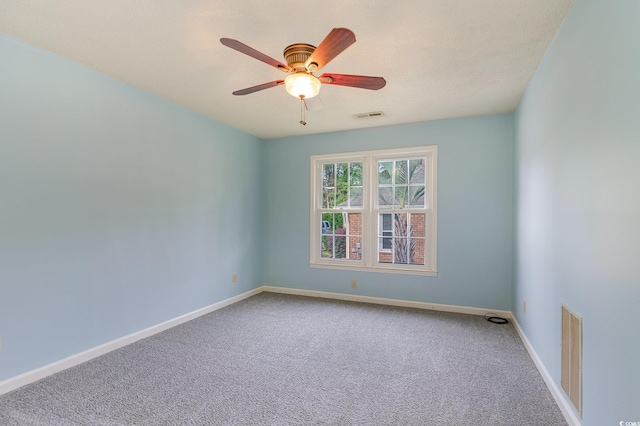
(375, 210)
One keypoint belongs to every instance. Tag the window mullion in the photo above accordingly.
(371, 216)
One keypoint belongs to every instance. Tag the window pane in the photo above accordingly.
(355, 247)
(402, 172)
(417, 251)
(401, 250)
(327, 246)
(328, 198)
(417, 225)
(385, 172)
(416, 171)
(385, 197)
(385, 231)
(387, 243)
(385, 256)
(340, 250)
(355, 199)
(400, 225)
(328, 177)
(386, 221)
(416, 198)
(355, 178)
(336, 222)
(330, 219)
(342, 185)
(401, 196)
(330, 222)
(328, 186)
(342, 172)
(354, 225)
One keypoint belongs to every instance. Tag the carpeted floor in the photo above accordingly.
(277, 359)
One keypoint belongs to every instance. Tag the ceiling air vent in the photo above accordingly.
(370, 114)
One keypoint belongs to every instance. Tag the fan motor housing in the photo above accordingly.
(297, 54)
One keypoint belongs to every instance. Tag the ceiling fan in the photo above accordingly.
(303, 60)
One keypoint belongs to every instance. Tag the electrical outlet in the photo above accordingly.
(524, 306)
(234, 278)
(354, 283)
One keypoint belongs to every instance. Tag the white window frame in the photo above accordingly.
(370, 242)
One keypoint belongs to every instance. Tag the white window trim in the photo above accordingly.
(369, 261)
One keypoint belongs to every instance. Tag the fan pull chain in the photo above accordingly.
(302, 113)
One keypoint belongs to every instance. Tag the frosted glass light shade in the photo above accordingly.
(302, 84)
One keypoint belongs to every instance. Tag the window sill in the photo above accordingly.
(383, 269)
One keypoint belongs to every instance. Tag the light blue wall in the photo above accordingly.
(578, 203)
(475, 187)
(118, 210)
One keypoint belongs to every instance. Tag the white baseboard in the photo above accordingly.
(564, 405)
(385, 301)
(47, 370)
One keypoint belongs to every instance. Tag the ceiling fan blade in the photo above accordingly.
(359, 81)
(250, 51)
(258, 87)
(332, 45)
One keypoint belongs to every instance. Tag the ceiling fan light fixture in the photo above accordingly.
(302, 84)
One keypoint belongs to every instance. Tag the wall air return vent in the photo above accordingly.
(571, 362)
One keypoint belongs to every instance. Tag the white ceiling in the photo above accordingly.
(441, 58)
